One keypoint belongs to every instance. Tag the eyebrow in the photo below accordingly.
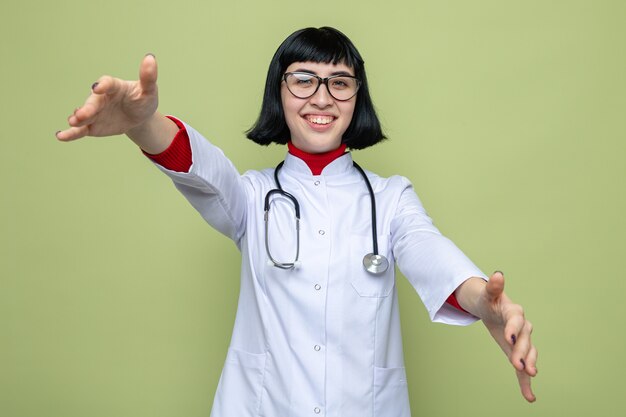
(331, 74)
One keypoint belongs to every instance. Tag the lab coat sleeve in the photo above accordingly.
(213, 187)
(431, 262)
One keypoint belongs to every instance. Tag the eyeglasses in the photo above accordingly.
(304, 85)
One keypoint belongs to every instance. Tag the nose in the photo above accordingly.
(322, 97)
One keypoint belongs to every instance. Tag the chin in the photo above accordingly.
(317, 146)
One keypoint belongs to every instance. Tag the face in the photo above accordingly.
(317, 123)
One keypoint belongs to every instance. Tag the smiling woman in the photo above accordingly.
(319, 335)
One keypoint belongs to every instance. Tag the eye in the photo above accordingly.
(302, 80)
(341, 83)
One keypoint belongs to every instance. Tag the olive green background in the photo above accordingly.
(508, 116)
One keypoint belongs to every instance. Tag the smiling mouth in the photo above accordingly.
(320, 120)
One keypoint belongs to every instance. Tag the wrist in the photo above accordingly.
(138, 131)
(155, 134)
(469, 295)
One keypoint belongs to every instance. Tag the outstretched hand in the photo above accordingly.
(115, 106)
(510, 329)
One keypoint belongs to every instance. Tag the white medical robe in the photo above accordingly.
(322, 339)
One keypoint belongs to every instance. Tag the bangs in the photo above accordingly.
(323, 45)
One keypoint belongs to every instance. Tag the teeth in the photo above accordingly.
(320, 120)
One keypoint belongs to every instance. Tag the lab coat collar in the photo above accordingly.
(341, 165)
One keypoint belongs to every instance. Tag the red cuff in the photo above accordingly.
(454, 303)
(177, 157)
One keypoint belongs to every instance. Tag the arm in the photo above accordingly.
(115, 106)
(437, 268)
(506, 324)
(432, 263)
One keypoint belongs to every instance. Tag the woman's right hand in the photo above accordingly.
(117, 106)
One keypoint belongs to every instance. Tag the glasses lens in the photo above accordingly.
(343, 88)
(301, 85)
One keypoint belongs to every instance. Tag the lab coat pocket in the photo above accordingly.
(365, 283)
(391, 395)
(241, 384)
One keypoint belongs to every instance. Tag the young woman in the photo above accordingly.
(317, 330)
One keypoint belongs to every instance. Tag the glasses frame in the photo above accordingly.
(320, 82)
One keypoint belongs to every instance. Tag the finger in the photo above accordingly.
(514, 323)
(72, 133)
(107, 85)
(495, 285)
(524, 383)
(148, 74)
(94, 102)
(102, 89)
(522, 347)
(531, 361)
(85, 114)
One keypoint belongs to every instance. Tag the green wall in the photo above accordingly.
(508, 116)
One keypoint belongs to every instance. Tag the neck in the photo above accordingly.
(317, 161)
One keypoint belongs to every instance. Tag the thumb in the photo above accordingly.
(495, 285)
(148, 74)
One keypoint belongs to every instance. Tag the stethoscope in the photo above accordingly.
(372, 262)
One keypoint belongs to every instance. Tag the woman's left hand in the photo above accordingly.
(510, 329)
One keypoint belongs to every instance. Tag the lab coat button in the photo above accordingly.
(316, 183)
(318, 287)
(317, 348)
(321, 232)
(317, 410)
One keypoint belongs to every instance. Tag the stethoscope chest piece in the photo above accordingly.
(375, 264)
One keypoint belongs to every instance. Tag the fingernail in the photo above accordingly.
(56, 134)
(496, 271)
(523, 363)
(151, 54)
(94, 85)
(513, 339)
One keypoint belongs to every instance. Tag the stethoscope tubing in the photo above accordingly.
(266, 207)
(373, 262)
(373, 207)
